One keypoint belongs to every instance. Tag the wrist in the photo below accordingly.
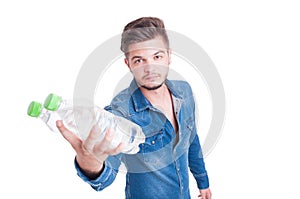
(90, 167)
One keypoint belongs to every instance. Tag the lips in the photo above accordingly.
(151, 77)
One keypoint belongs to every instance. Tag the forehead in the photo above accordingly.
(146, 47)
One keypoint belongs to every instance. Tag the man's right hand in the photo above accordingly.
(90, 155)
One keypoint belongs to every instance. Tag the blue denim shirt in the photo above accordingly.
(160, 169)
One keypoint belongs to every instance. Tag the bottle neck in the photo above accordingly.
(65, 104)
(45, 115)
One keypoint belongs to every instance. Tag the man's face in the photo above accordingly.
(149, 62)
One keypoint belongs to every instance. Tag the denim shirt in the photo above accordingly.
(160, 169)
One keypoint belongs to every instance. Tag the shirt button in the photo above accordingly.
(153, 142)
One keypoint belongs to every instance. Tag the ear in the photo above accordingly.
(126, 62)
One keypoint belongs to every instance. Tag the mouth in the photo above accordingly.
(151, 77)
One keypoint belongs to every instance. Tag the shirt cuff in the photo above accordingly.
(99, 181)
(202, 181)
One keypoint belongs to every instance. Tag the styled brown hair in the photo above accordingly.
(143, 29)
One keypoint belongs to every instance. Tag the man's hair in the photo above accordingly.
(143, 29)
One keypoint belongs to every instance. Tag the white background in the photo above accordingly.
(254, 45)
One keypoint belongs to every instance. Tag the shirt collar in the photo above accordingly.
(139, 100)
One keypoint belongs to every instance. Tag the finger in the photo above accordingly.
(201, 195)
(73, 139)
(101, 154)
(116, 150)
(96, 135)
(103, 146)
(205, 194)
(208, 195)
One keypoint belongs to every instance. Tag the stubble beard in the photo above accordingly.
(153, 87)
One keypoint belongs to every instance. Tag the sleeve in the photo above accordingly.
(195, 156)
(197, 165)
(107, 176)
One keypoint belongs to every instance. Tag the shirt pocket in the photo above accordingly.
(151, 148)
(187, 134)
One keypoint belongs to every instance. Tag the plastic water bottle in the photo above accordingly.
(82, 117)
(36, 110)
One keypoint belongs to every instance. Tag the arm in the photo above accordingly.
(90, 157)
(197, 165)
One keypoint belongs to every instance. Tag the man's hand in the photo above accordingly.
(205, 193)
(90, 155)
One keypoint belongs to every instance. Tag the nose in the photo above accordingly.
(148, 66)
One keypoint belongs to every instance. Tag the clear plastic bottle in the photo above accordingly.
(36, 110)
(82, 117)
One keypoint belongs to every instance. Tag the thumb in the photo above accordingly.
(71, 137)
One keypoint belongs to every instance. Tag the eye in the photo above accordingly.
(137, 61)
(157, 57)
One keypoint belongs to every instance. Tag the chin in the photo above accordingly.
(152, 86)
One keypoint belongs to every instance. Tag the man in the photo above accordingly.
(166, 112)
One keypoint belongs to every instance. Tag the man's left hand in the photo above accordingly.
(205, 193)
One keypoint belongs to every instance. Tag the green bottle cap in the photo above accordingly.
(34, 109)
(52, 102)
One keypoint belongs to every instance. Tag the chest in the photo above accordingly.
(167, 108)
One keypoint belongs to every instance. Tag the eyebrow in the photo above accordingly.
(139, 57)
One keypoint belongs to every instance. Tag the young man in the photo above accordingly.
(166, 112)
